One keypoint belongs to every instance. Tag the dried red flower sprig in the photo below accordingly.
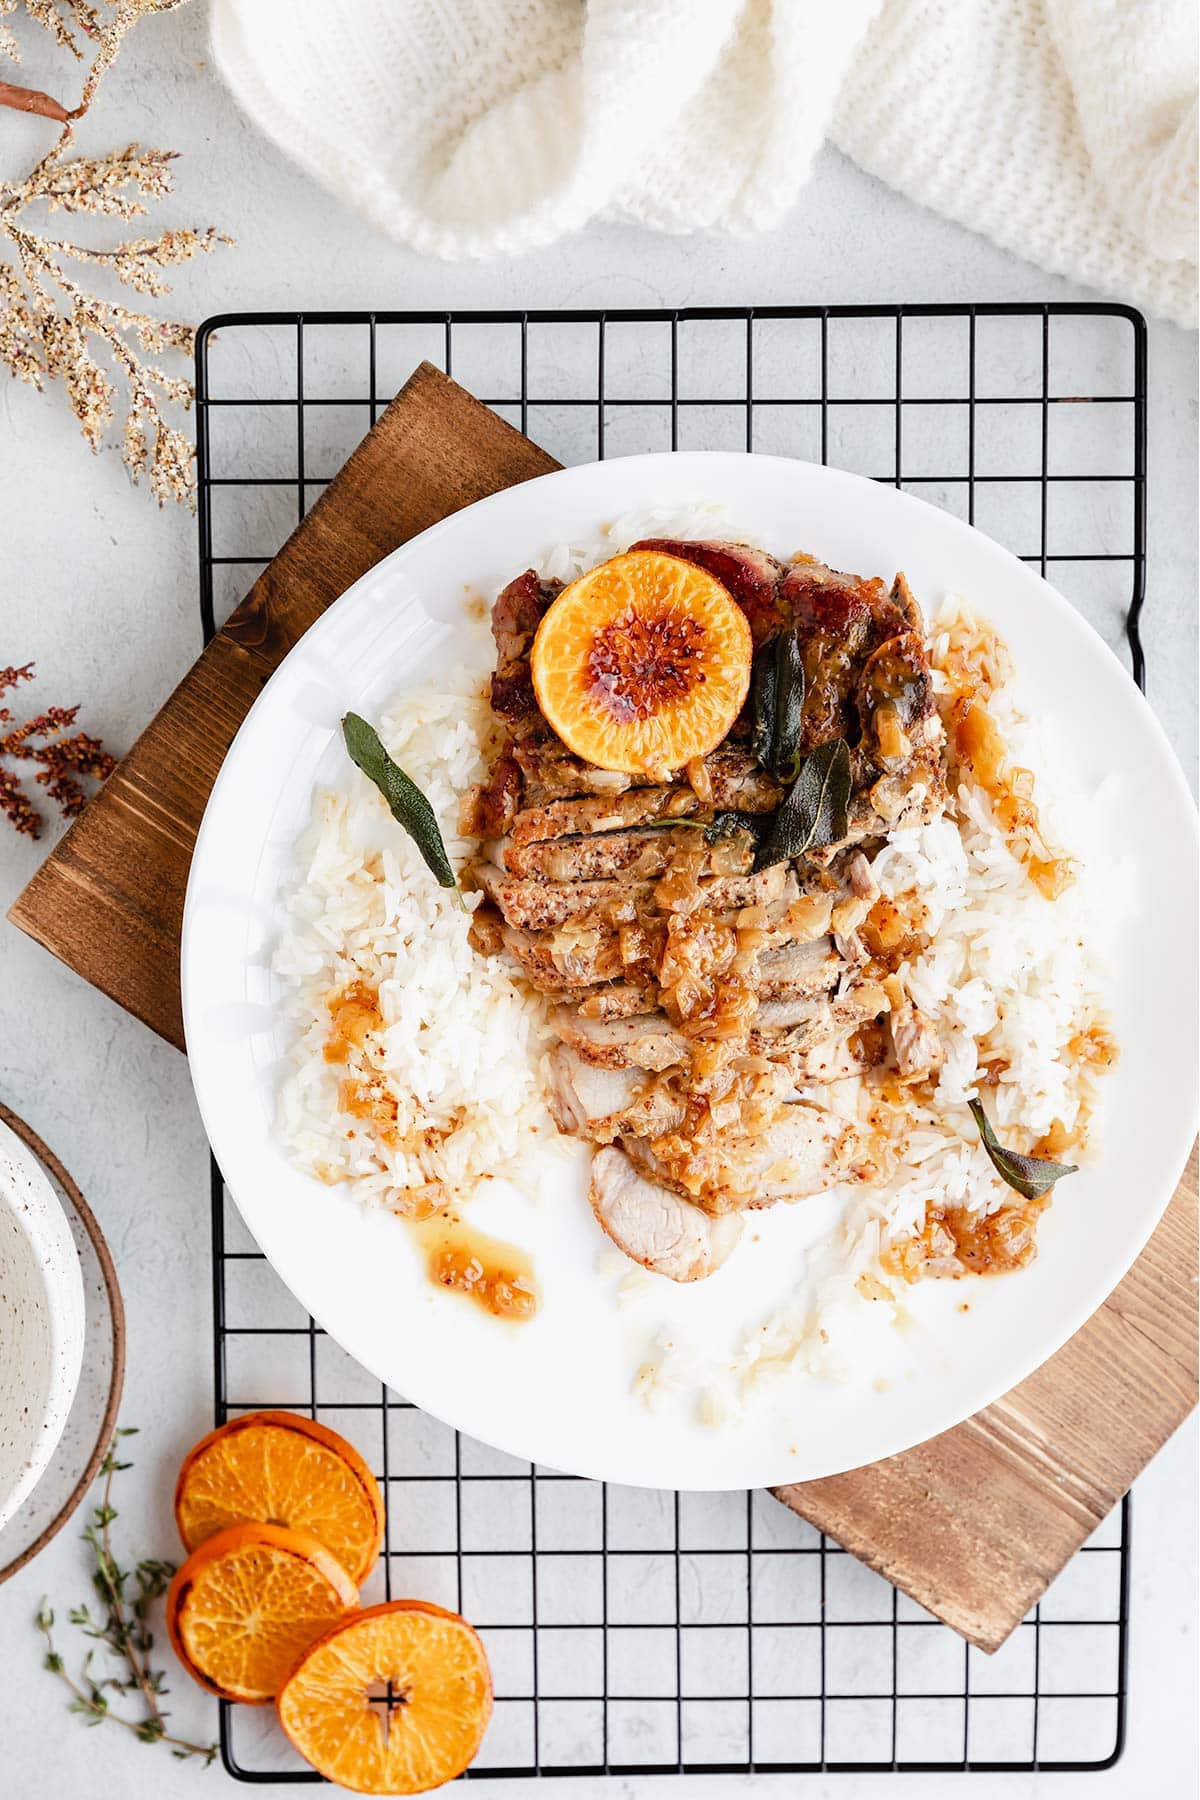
(63, 761)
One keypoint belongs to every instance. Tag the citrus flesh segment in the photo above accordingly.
(432, 1728)
(281, 1469)
(248, 1602)
(643, 663)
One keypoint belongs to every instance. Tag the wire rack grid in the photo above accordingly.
(629, 1630)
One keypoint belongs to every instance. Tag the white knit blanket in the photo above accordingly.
(1065, 130)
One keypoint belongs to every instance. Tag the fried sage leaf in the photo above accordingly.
(762, 704)
(721, 825)
(813, 811)
(1030, 1176)
(728, 824)
(789, 706)
(777, 703)
(407, 803)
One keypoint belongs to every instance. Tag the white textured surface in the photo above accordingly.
(101, 589)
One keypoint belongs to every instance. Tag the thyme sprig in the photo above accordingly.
(121, 1625)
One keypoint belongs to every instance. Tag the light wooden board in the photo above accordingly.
(973, 1525)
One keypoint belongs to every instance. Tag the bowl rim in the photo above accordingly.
(116, 1307)
(39, 1217)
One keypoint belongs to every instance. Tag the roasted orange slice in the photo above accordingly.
(248, 1602)
(643, 663)
(426, 1734)
(281, 1469)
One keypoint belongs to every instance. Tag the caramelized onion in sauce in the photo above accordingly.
(354, 1012)
(497, 1277)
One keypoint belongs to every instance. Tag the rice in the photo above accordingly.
(460, 1042)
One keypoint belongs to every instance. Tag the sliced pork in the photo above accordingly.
(657, 1228)
(701, 1005)
(804, 1152)
(603, 1104)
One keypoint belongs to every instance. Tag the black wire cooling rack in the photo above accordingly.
(633, 1631)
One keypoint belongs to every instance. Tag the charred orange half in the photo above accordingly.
(435, 1667)
(643, 663)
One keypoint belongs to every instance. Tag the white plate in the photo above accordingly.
(556, 1391)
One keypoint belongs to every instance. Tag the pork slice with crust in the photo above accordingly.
(601, 1104)
(659, 1229)
(552, 772)
(645, 1041)
(798, 971)
(639, 855)
(558, 961)
(802, 1152)
(537, 905)
(736, 782)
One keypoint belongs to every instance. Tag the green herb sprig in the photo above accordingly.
(1029, 1176)
(121, 1625)
(722, 825)
(406, 802)
(814, 810)
(777, 688)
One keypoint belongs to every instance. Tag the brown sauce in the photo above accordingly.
(894, 931)
(976, 666)
(495, 1276)
(955, 1241)
(371, 1102)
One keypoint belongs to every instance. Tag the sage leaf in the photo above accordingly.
(789, 707)
(762, 703)
(722, 825)
(777, 688)
(406, 802)
(1029, 1176)
(813, 812)
(726, 824)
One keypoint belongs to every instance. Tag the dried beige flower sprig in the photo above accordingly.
(51, 326)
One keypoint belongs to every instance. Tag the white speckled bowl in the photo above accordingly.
(41, 1321)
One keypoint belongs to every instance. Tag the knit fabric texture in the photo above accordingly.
(1065, 130)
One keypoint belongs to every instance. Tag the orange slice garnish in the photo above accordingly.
(248, 1603)
(281, 1469)
(429, 1732)
(643, 663)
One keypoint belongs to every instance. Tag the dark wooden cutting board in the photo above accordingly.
(974, 1524)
